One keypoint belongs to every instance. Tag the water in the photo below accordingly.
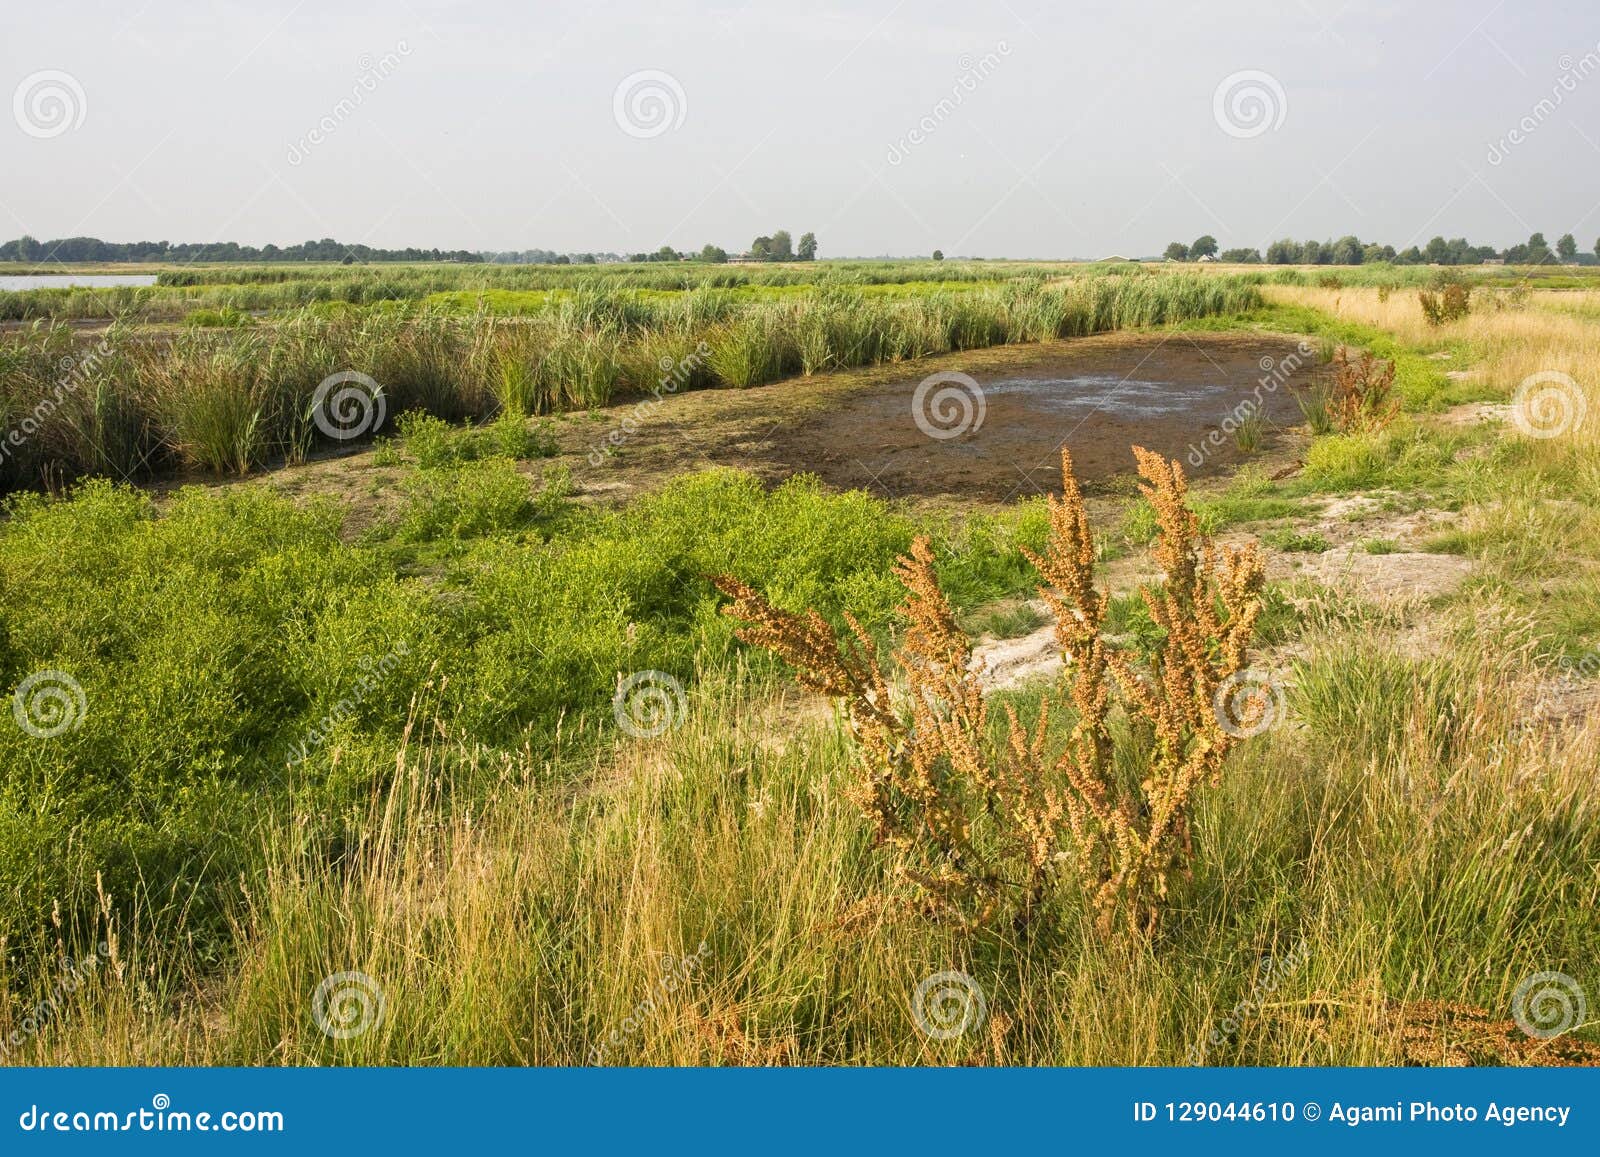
(74, 280)
(1108, 393)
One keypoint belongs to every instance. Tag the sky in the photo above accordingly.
(1024, 128)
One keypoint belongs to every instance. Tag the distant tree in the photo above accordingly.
(1347, 251)
(1314, 253)
(761, 249)
(808, 247)
(563, 260)
(1242, 256)
(1177, 251)
(782, 247)
(938, 254)
(586, 259)
(715, 254)
(1204, 246)
(1284, 252)
(1411, 256)
(1567, 246)
(1597, 247)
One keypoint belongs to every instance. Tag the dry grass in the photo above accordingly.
(710, 898)
(1548, 331)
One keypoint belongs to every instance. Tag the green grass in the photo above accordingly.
(1297, 541)
(1006, 622)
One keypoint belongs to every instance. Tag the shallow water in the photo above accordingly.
(73, 281)
(1113, 394)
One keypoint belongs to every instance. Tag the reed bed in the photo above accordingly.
(282, 287)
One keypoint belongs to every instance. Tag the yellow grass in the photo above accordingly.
(1551, 331)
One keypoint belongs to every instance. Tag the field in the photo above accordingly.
(375, 699)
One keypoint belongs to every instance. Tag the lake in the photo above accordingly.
(73, 280)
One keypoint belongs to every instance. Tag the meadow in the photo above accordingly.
(483, 765)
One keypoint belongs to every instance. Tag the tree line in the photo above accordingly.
(780, 246)
(84, 249)
(1350, 250)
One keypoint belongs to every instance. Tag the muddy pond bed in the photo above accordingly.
(996, 432)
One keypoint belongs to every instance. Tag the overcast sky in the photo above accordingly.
(1025, 128)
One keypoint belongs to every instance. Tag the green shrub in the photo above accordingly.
(471, 499)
